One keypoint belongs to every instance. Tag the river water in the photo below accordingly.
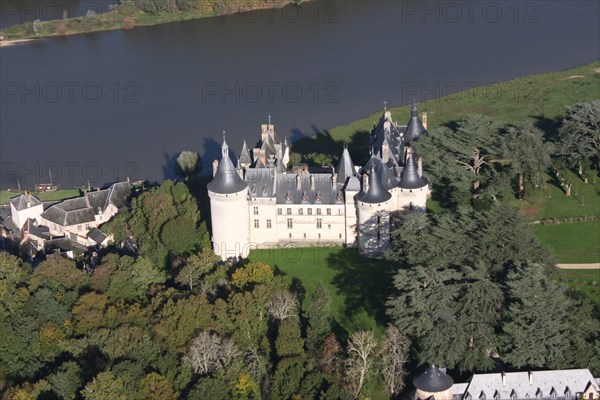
(108, 105)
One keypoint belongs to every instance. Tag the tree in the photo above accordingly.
(133, 278)
(529, 155)
(188, 164)
(537, 320)
(319, 158)
(282, 305)
(394, 354)
(246, 388)
(360, 360)
(319, 319)
(195, 267)
(66, 380)
(579, 143)
(289, 341)
(155, 387)
(105, 386)
(332, 359)
(209, 353)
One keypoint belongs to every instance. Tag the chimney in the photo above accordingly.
(420, 166)
(530, 377)
(365, 183)
(215, 166)
(312, 182)
(503, 378)
(298, 182)
(424, 119)
(333, 177)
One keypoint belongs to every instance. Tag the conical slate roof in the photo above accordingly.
(345, 167)
(410, 178)
(245, 155)
(376, 193)
(25, 201)
(226, 180)
(433, 380)
(415, 127)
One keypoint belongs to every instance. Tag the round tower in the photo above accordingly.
(433, 384)
(414, 189)
(373, 216)
(228, 194)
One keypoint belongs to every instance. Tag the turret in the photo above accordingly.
(345, 167)
(414, 189)
(228, 209)
(415, 127)
(433, 384)
(373, 217)
(244, 159)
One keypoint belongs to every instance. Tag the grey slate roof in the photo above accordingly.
(97, 235)
(410, 178)
(543, 384)
(322, 191)
(433, 380)
(415, 127)
(226, 180)
(82, 210)
(345, 167)
(42, 232)
(21, 202)
(244, 157)
(376, 193)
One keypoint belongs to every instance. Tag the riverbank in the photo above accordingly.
(127, 16)
(8, 43)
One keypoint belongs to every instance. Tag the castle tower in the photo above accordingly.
(244, 159)
(346, 175)
(229, 209)
(433, 384)
(415, 127)
(414, 189)
(373, 217)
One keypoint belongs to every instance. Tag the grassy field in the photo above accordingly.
(5, 195)
(128, 16)
(358, 286)
(572, 243)
(583, 280)
(551, 201)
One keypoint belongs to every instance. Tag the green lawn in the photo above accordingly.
(551, 201)
(583, 280)
(5, 195)
(358, 286)
(572, 243)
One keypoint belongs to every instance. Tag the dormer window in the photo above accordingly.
(553, 393)
(568, 392)
(496, 395)
(513, 395)
(468, 396)
(539, 394)
(482, 396)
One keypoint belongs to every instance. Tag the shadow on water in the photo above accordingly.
(358, 144)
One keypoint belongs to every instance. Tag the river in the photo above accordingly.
(104, 106)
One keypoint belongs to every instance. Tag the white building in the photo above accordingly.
(24, 207)
(261, 204)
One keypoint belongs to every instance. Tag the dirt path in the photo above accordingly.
(579, 266)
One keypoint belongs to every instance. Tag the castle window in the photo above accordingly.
(279, 211)
(255, 210)
(305, 236)
(256, 224)
(290, 235)
(300, 211)
(378, 219)
(329, 211)
(79, 228)
(289, 224)
(269, 224)
(340, 235)
(318, 211)
(310, 211)
(319, 223)
(319, 236)
(329, 226)
(289, 211)
(410, 206)
(339, 211)
(378, 236)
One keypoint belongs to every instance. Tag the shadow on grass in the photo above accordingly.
(365, 284)
(323, 142)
